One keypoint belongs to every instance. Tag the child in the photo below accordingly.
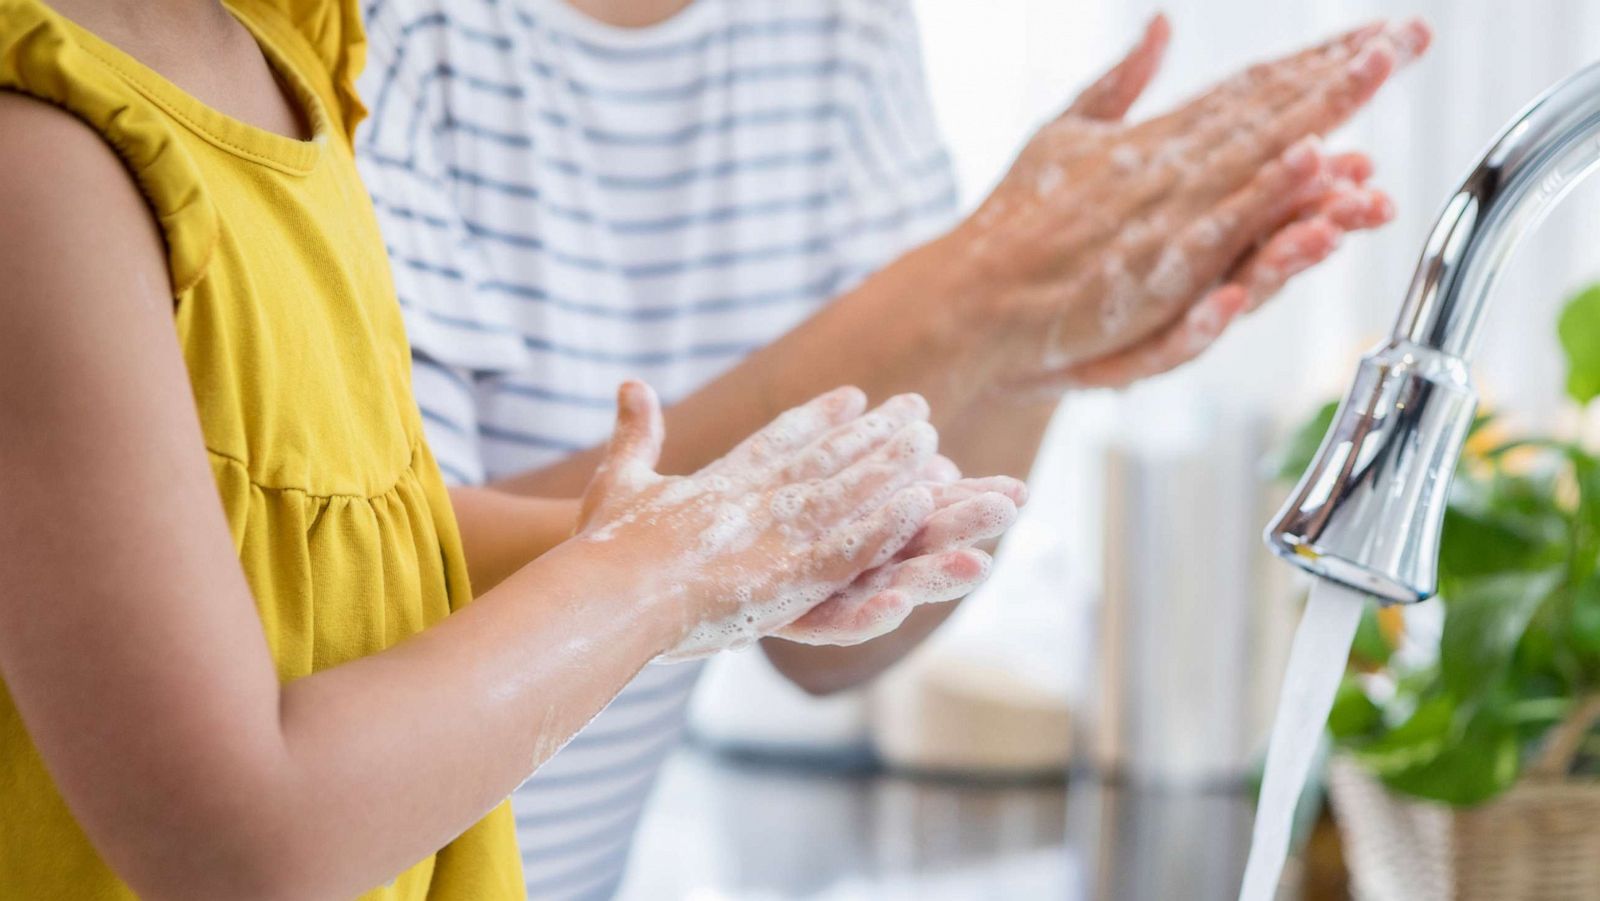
(286, 694)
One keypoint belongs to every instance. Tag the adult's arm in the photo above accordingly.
(1204, 210)
(943, 320)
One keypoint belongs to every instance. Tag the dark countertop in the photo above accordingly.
(722, 828)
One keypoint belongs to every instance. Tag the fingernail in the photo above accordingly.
(1019, 493)
(628, 396)
(1383, 208)
(1410, 39)
(1158, 24)
(841, 398)
(981, 560)
(914, 402)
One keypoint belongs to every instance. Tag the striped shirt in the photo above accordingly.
(568, 204)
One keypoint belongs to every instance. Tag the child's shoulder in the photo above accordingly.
(62, 186)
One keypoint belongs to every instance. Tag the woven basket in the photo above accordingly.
(1540, 841)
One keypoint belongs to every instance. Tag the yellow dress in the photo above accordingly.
(297, 356)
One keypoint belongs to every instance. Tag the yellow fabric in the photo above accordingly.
(298, 360)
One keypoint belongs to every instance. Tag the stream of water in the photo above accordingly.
(1316, 665)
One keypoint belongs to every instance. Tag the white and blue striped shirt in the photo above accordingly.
(568, 204)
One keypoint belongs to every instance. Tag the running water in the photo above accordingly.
(1316, 665)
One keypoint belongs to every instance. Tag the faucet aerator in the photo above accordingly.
(1369, 511)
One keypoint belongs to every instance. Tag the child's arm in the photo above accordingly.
(501, 532)
(132, 648)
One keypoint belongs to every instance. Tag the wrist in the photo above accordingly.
(975, 291)
(618, 575)
(935, 309)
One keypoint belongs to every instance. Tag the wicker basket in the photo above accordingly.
(1540, 841)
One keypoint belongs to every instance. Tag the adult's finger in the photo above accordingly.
(1207, 246)
(1352, 166)
(1323, 106)
(1170, 348)
(1294, 249)
(1340, 192)
(1264, 87)
(1114, 92)
(1355, 209)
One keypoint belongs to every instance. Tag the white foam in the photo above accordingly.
(1172, 276)
(1126, 158)
(730, 531)
(1120, 297)
(1048, 180)
(1207, 232)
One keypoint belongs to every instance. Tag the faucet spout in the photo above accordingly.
(1369, 511)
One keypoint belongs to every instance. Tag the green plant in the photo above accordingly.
(1519, 651)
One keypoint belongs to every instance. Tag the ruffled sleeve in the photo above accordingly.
(333, 30)
(40, 56)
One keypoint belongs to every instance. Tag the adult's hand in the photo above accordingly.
(1113, 251)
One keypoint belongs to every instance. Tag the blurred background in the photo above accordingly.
(1135, 633)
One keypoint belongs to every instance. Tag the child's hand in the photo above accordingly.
(792, 515)
(942, 563)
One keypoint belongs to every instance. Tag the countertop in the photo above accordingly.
(723, 828)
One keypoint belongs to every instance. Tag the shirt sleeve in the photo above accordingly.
(448, 401)
(454, 314)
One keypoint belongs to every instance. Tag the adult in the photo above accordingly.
(743, 202)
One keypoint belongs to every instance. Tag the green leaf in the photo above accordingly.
(1582, 631)
(1476, 544)
(1353, 712)
(1519, 572)
(1586, 523)
(1579, 330)
(1483, 762)
(1370, 649)
(1421, 738)
(1479, 422)
(1295, 457)
(1484, 620)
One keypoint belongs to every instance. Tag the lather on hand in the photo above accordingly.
(1114, 251)
(827, 499)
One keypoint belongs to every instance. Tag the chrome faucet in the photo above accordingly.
(1369, 511)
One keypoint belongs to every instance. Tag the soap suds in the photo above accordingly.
(1119, 297)
(786, 519)
(1048, 180)
(1172, 276)
(1126, 158)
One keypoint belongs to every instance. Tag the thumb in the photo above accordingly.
(1110, 97)
(630, 457)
